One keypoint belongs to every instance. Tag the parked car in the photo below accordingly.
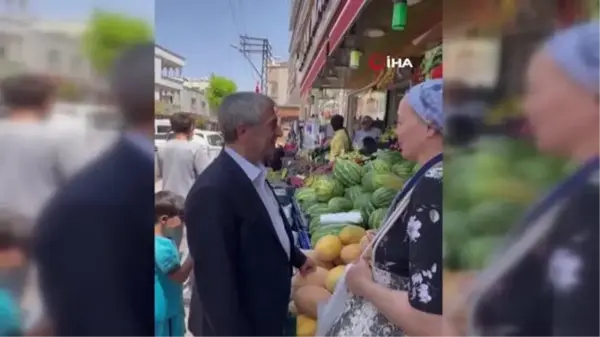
(212, 141)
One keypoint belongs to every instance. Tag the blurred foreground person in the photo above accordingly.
(398, 283)
(170, 273)
(544, 282)
(37, 157)
(237, 232)
(95, 262)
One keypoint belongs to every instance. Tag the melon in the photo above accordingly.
(316, 278)
(350, 253)
(328, 248)
(351, 234)
(313, 255)
(338, 261)
(307, 299)
(333, 276)
(305, 326)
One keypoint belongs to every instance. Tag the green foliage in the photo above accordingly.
(218, 88)
(108, 34)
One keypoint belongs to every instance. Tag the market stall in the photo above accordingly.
(494, 172)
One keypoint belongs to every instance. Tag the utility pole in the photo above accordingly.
(254, 45)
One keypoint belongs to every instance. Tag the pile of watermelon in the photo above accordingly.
(486, 191)
(368, 188)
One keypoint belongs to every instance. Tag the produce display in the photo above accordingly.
(331, 254)
(355, 184)
(489, 189)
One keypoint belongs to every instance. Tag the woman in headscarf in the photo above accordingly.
(366, 130)
(544, 280)
(340, 142)
(398, 285)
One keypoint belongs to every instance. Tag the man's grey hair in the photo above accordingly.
(241, 108)
(132, 83)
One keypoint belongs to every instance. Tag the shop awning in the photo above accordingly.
(342, 24)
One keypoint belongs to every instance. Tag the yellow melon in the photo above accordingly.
(305, 326)
(328, 248)
(333, 276)
(308, 298)
(350, 253)
(313, 255)
(316, 278)
(351, 234)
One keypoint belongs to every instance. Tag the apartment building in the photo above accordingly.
(30, 44)
(168, 80)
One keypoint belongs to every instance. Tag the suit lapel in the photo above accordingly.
(254, 202)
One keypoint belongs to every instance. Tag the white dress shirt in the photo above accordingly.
(258, 177)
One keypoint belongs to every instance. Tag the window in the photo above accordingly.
(214, 140)
(54, 59)
(76, 63)
(203, 104)
(3, 53)
(163, 129)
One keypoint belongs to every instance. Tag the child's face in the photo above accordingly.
(168, 222)
(12, 258)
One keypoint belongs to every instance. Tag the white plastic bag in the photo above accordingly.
(330, 312)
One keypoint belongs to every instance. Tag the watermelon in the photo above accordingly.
(493, 217)
(376, 218)
(304, 193)
(326, 230)
(353, 191)
(388, 180)
(317, 209)
(362, 200)
(367, 182)
(365, 212)
(476, 253)
(347, 172)
(403, 169)
(380, 166)
(391, 157)
(314, 224)
(383, 196)
(305, 204)
(327, 188)
(339, 204)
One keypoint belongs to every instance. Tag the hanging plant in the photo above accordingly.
(433, 58)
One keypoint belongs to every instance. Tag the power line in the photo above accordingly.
(237, 22)
(257, 45)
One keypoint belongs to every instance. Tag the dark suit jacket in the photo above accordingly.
(242, 273)
(95, 248)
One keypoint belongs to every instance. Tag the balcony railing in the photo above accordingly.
(165, 108)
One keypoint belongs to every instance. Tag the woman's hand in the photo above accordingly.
(359, 277)
(366, 244)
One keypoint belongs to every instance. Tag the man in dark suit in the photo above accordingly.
(95, 242)
(238, 236)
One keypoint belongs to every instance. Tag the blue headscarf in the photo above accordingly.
(427, 99)
(575, 51)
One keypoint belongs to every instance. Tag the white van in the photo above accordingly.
(162, 127)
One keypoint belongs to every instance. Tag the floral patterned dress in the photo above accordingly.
(544, 282)
(407, 256)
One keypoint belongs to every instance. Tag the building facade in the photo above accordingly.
(168, 80)
(28, 44)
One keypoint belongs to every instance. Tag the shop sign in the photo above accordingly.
(379, 62)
